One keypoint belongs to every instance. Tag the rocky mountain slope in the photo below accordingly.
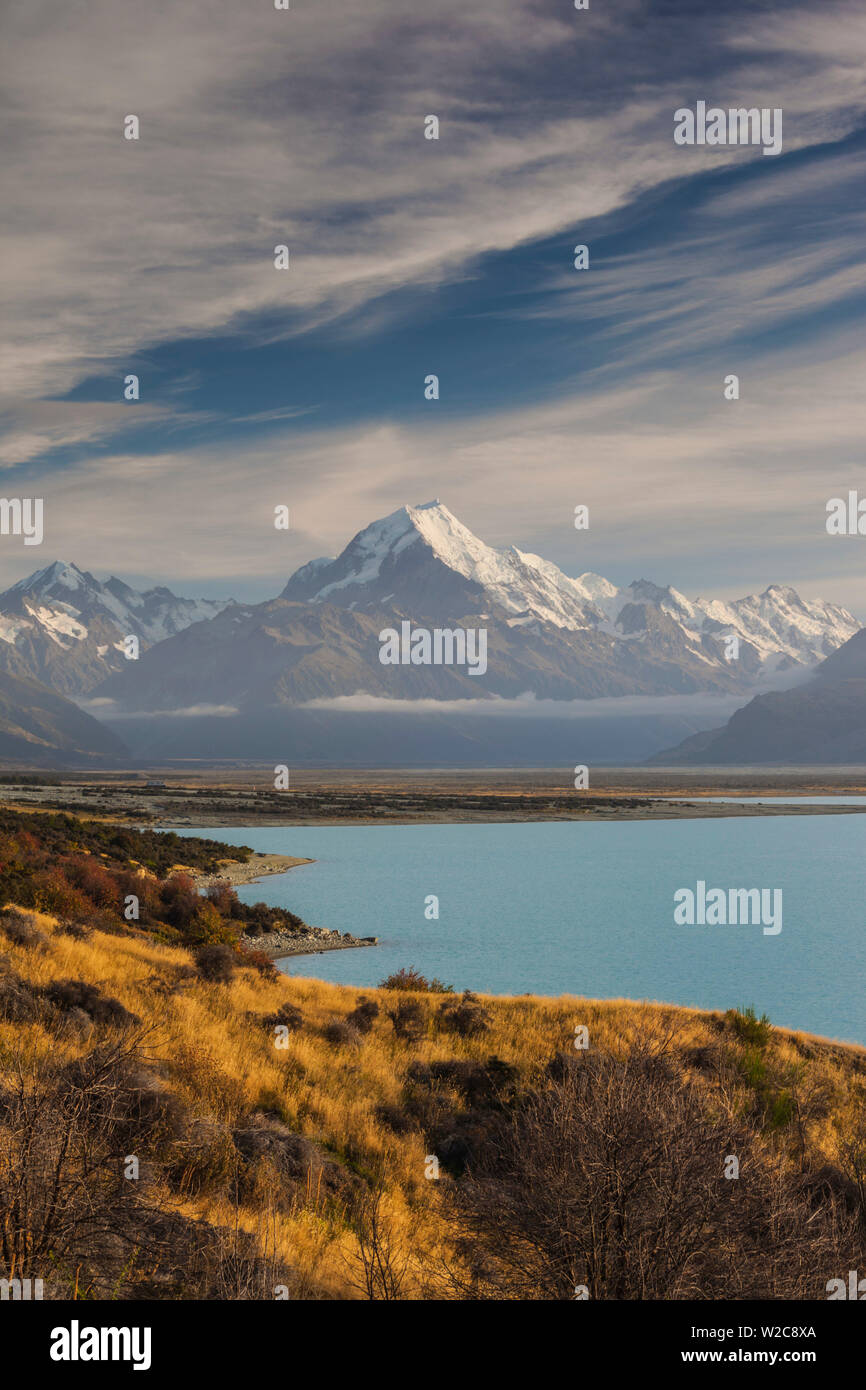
(822, 721)
(39, 728)
(65, 628)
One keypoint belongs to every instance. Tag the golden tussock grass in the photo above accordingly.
(224, 1065)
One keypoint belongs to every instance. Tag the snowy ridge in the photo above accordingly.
(62, 626)
(780, 628)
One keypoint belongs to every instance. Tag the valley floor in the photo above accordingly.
(218, 796)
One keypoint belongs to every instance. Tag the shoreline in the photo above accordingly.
(280, 945)
(195, 800)
(260, 865)
(306, 945)
(659, 809)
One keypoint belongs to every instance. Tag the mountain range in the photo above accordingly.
(549, 636)
(65, 628)
(422, 559)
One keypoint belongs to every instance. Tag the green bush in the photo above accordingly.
(749, 1028)
(413, 980)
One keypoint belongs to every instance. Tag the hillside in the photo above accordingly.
(822, 721)
(307, 1168)
(40, 728)
(314, 1151)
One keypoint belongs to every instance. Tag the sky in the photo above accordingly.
(407, 256)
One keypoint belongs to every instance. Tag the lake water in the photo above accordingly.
(560, 907)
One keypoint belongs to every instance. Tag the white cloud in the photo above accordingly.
(719, 707)
(103, 708)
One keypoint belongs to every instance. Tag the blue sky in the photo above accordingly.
(454, 256)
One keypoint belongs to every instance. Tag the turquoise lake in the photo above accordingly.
(566, 908)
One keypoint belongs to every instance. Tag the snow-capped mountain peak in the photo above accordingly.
(65, 627)
(387, 558)
(59, 575)
(424, 560)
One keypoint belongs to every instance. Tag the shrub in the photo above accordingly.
(281, 1167)
(409, 1020)
(259, 919)
(94, 880)
(413, 980)
(480, 1084)
(173, 983)
(224, 898)
(216, 963)
(180, 901)
(363, 1017)
(286, 1016)
(65, 1137)
(68, 995)
(207, 926)
(748, 1027)
(467, 1017)
(79, 931)
(21, 929)
(18, 1003)
(52, 893)
(75, 1023)
(203, 1161)
(611, 1177)
(340, 1032)
(260, 961)
(395, 1118)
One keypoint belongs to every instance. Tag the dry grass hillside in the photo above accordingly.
(284, 1128)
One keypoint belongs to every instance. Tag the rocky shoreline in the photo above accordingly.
(259, 865)
(311, 942)
(307, 942)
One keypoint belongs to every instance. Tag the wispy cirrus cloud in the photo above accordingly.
(260, 127)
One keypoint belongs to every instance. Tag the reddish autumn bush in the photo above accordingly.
(131, 883)
(95, 881)
(260, 961)
(224, 899)
(53, 893)
(179, 901)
